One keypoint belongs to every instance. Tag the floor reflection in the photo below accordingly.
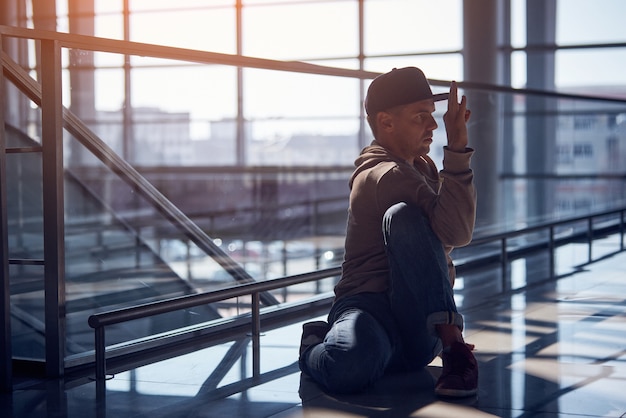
(555, 349)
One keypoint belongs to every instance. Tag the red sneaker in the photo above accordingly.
(459, 377)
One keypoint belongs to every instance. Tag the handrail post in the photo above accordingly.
(621, 231)
(53, 206)
(100, 353)
(551, 250)
(256, 335)
(504, 260)
(589, 239)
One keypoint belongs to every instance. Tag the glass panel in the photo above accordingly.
(108, 6)
(594, 68)
(589, 137)
(194, 113)
(518, 69)
(62, 21)
(272, 2)
(205, 29)
(109, 25)
(120, 251)
(103, 61)
(22, 119)
(301, 31)
(300, 119)
(273, 222)
(416, 26)
(282, 94)
(27, 311)
(560, 157)
(25, 242)
(303, 142)
(188, 123)
(518, 23)
(143, 5)
(203, 91)
(589, 22)
(109, 89)
(25, 204)
(114, 258)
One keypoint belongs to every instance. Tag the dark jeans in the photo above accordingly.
(373, 333)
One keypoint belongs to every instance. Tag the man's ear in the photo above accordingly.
(384, 121)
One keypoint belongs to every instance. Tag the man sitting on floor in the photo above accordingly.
(394, 307)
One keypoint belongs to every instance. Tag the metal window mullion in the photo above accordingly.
(621, 231)
(256, 335)
(6, 353)
(362, 139)
(504, 263)
(590, 239)
(53, 207)
(240, 138)
(551, 252)
(128, 138)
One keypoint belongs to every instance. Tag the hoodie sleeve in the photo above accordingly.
(448, 200)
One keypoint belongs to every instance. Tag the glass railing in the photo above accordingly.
(548, 156)
(125, 242)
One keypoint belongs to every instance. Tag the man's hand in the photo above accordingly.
(455, 120)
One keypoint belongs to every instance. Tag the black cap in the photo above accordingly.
(398, 87)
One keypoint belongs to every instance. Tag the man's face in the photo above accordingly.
(411, 129)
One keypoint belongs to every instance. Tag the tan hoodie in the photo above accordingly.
(447, 198)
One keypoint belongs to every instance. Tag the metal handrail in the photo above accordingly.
(93, 43)
(99, 321)
(503, 238)
(545, 225)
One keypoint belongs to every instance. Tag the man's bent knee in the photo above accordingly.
(355, 354)
(349, 374)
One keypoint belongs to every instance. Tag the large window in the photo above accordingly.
(260, 117)
(272, 150)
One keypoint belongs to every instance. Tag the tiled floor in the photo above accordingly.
(557, 350)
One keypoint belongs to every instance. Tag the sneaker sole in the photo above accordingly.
(456, 393)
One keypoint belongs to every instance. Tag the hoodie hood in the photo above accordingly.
(370, 157)
(375, 154)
